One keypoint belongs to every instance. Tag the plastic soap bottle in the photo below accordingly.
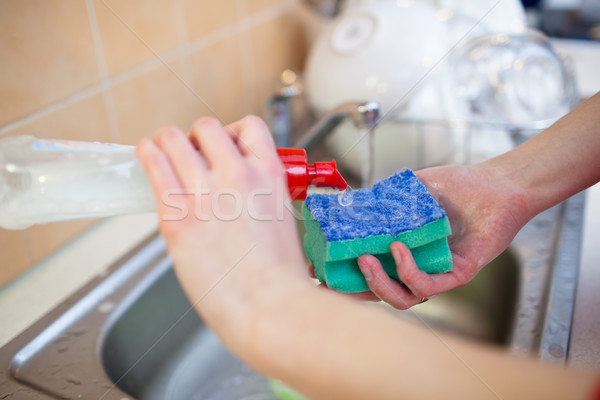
(44, 180)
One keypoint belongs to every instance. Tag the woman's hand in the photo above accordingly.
(224, 213)
(488, 203)
(485, 209)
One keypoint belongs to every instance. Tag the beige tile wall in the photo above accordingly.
(114, 70)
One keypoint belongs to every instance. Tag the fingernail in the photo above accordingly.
(397, 253)
(367, 273)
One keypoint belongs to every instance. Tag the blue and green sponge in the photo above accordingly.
(398, 208)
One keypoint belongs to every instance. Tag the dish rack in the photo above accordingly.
(474, 140)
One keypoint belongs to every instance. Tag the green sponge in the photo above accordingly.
(398, 208)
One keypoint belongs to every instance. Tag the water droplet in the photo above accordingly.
(78, 331)
(106, 307)
(73, 379)
(556, 350)
(346, 197)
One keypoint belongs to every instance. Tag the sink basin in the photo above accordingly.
(158, 348)
(133, 334)
(483, 310)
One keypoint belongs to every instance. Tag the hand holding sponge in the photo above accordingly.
(398, 208)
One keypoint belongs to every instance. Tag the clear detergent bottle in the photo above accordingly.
(46, 180)
(43, 181)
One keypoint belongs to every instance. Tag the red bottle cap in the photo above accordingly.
(301, 174)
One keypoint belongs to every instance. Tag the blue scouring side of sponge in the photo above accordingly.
(398, 208)
(316, 243)
(396, 204)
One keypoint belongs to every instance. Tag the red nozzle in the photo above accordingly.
(325, 174)
(300, 174)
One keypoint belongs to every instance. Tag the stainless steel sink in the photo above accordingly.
(156, 347)
(133, 334)
(188, 361)
(483, 310)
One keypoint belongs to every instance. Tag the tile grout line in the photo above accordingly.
(186, 49)
(28, 251)
(97, 88)
(269, 13)
(183, 39)
(210, 38)
(245, 51)
(247, 22)
(162, 60)
(103, 70)
(82, 94)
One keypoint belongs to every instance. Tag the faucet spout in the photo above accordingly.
(364, 115)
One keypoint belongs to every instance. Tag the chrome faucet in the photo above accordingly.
(364, 115)
(288, 114)
(327, 8)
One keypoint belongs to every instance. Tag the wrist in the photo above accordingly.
(238, 315)
(513, 190)
(521, 179)
(558, 162)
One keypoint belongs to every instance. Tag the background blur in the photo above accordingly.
(114, 71)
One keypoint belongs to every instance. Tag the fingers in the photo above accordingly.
(162, 175)
(420, 283)
(219, 146)
(252, 137)
(186, 161)
(248, 137)
(416, 284)
(386, 288)
(361, 296)
(214, 143)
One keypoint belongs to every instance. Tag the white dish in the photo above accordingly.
(381, 52)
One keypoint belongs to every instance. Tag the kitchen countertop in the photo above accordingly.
(45, 285)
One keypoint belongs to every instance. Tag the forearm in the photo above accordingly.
(362, 351)
(559, 162)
